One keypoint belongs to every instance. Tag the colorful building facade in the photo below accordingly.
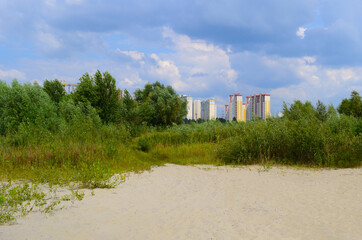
(258, 105)
(226, 112)
(236, 108)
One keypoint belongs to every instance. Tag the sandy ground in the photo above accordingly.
(200, 202)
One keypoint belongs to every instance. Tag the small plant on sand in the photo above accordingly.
(17, 200)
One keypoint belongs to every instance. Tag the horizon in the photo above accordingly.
(303, 50)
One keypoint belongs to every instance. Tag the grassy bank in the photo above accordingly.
(94, 155)
(335, 142)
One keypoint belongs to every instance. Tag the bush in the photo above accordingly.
(23, 105)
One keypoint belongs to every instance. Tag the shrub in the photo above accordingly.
(25, 105)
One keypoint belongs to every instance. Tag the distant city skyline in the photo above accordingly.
(205, 109)
(305, 50)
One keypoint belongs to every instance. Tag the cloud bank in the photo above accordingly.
(301, 49)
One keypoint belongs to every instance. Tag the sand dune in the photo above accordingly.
(201, 202)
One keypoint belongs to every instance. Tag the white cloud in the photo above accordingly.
(341, 76)
(288, 79)
(202, 66)
(48, 42)
(301, 32)
(71, 70)
(131, 81)
(319, 82)
(193, 65)
(164, 69)
(11, 74)
(309, 60)
(133, 54)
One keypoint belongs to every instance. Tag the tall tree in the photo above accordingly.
(352, 106)
(101, 92)
(129, 108)
(160, 105)
(108, 96)
(85, 91)
(321, 111)
(54, 89)
(331, 112)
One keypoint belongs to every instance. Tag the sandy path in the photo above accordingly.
(184, 202)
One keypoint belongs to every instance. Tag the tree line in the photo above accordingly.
(96, 99)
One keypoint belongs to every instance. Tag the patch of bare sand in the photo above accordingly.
(202, 202)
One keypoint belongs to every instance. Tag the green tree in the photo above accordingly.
(129, 108)
(101, 92)
(108, 103)
(352, 106)
(299, 110)
(54, 89)
(4, 91)
(222, 120)
(86, 90)
(25, 105)
(331, 112)
(160, 105)
(321, 111)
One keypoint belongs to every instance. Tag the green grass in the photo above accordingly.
(90, 164)
(187, 154)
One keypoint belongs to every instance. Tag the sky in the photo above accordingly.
(301, 49)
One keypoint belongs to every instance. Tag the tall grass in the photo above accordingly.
(86, 155)
(187, 154)
(295, 142)
(335, 142)
(208, 132)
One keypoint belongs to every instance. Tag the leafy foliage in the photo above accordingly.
(54, 89)
(321, 111)
(160, 105)
(107, 102)
(85, 91)
(24, 105)
(129, 109)
(101, 92)
(352, 106)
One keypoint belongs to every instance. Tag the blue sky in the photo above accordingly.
(300, 49)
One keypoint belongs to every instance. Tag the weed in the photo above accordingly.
(20, 199)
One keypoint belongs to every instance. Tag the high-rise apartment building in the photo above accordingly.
(258, 105)
(226, 112)
(189, 106)
(208, 109)
(196, 114)
(236, 108)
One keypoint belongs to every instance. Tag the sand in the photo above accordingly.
(202, 202)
